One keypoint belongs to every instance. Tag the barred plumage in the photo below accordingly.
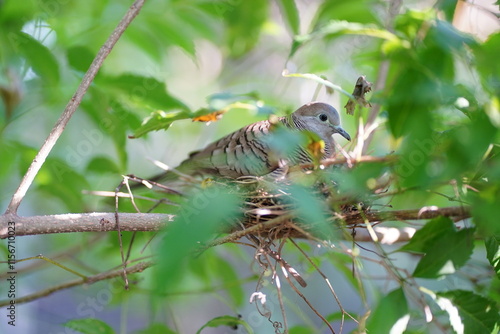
(247, 151)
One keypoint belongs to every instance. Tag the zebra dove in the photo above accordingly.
(248, 152)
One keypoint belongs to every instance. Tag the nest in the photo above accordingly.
(270, 210)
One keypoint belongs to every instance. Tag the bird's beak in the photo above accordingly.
(342, 132)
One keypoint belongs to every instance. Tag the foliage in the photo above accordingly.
(437, 118)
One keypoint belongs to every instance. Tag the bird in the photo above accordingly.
(249, 151)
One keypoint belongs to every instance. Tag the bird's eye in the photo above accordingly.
(323, 117)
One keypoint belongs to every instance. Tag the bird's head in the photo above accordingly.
(320, 118)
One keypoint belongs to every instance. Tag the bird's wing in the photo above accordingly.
(240, 153)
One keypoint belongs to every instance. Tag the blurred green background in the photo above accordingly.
(435, 69)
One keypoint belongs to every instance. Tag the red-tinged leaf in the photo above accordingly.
(211, 117)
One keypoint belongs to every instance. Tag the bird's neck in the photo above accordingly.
(293, 122)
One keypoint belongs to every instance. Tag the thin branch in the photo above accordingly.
(66, 253)
(413, 214)
(71, 107)
(90, 280)
(352, 161)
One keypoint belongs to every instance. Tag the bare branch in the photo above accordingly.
(71, 107)
(105, 221)
(92, 279)
(81, 222)
(458, 212)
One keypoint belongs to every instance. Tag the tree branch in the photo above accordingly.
(71, 107)
(141, 266)
(105, 221)
(81, 222)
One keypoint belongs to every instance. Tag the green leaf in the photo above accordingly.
(15, 14)
(310, 209)
(223, 102)
(468, 143)
(80, 58)
(39, 57)
(290, 14)
(352, 11)
(359, 180)
(145, 40)
(156, 328)
(493, 252)
(445, 249)
(244, 22)
(160, 120)
(469, 313)
(111, 118)
(89, 326)
(301, 330)
(450, 253)
(485, 208)
(145, 91)
(101, 165)
(200, 216)
(339, 28)
(8, 152)
(227, 273)
(59, 179)
(447, 37)
(428, 235)
(226, 320)
(413, 96)
(448, 8)
(171, 34)
(486, 54)
(391, 314)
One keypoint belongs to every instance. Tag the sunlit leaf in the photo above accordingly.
(470, 312)
(159, 120)
(353, 11)
(493, 252)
